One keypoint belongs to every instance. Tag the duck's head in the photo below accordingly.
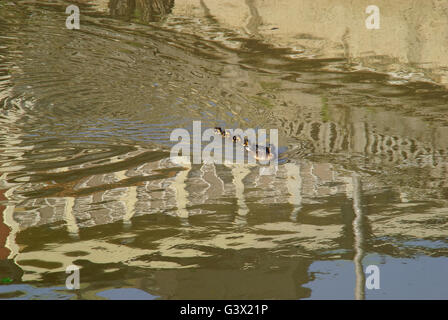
(236, 139)
(225, 133)
(218, 130)
(246, 142)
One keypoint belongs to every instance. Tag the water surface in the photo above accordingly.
(86, 177)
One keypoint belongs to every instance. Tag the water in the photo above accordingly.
(86, 178)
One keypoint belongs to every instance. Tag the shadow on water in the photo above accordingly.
(86, 177)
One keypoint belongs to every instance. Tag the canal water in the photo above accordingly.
(86, 179)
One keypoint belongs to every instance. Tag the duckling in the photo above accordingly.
(218, 130)
(246, 142)
(249, 147)
(267, 154)
(223, 132)
(236, 139)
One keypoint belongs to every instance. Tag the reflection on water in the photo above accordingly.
(142, 10)
(86, 176)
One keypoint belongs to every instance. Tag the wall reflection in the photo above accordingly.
(411, 41)
(142, 10)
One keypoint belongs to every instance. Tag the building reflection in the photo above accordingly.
(336, 29)
(359, 237)
(181, 193)
(324, 204)
(143, 10)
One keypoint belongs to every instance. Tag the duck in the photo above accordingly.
(248, 146)
(267, 155)
(257, 150)
(219, 130)
(222, 132)
(246, 143)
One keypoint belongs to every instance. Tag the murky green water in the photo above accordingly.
(86, 178)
